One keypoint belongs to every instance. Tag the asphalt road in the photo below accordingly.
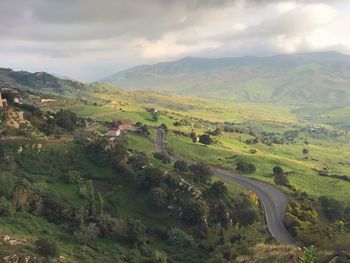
(273, 201)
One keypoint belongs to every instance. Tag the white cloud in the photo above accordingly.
(88, 39)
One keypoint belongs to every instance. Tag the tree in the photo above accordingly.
(195, 212)
(181, 166)
(72, 177)
(201, 172)
(155, 116)
(277, 170)
(164, 127)
(138, 161)
(281, 179)
(144, 130)
(66, 119)
(218, 190)
(205, 139)
(136, 232)
(244, 167)
(85, 234)
(332, 208)
(6, 207)
(159, 198)
(180, 239)
(162, 157)
(47, 247)
(152, 177)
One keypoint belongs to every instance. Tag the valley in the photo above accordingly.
(312, 155)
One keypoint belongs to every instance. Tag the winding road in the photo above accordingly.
(273, 201)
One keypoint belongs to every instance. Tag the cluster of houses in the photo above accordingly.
(118, 127)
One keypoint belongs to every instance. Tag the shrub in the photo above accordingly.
(152, 177)
(201, 172)
(72, 177)
(138, 161)
(178, 238)
(205, 139)
(277, 170)
(162, 157)
(244, 167)
(305, 151)
(136, 232)
(6, 207)
(217, 190)
(281, 179)
(332, 208)
(181, 166)
(47, 247)
(195, 211)
(159, 198)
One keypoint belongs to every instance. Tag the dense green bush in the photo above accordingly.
(47, 247)
(163, 157)
(195, 211)
(201, 172)
(6, 207)
(244, 167)
(217, 190)
(281, 179)
(332, 208)
(178, 238)
(181, 166)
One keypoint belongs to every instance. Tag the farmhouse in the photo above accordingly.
(115, 132)
(152, 110)
(122, 124)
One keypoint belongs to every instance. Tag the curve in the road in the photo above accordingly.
(273, 201)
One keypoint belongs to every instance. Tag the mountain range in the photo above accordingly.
(322, 77)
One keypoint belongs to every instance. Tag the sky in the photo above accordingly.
(90, 39)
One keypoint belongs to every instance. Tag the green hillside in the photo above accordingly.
(39, 81)
(298, 79)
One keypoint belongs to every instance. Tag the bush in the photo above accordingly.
(217, 190)
(47, 247)
(162, 157)
(152, 177)
(159, 198)
(332, 208)
(6, 207)
(201, 172)
(178, 238)
(136, 232)
(72, 177)
(205, 139)
(244, 167)
(138, 161)
(195, 212)
(277, 170)
(181, 166)
(281, 179)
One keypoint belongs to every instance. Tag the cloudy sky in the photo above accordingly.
(89, 39)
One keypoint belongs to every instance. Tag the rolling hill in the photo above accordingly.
(39, 81)
(297, 79)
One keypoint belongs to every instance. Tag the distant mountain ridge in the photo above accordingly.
(322, 77)
(39, 81)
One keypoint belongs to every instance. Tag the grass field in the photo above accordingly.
(333, 153)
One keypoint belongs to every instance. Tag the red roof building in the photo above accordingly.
(122, 124)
